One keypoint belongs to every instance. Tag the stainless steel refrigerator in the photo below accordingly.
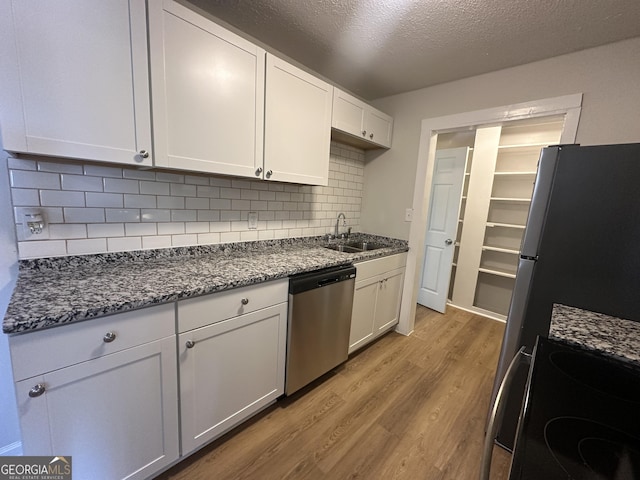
(581, 248)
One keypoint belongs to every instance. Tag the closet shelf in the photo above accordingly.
(497, 272)
(527, 174)
(510, 199)
(524, 145)
(506, 225)
(500, 249)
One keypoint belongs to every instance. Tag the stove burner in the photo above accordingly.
(588, 450)
(596, 373)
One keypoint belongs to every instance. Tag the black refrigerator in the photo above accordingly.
(581, 247)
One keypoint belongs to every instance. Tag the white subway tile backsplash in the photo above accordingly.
(85, 247)
(139, 201)
(105, 200)
(123, 244)
(98, 230)
(156, 241)
(84, 215)
(154, 188)
(140, 229)
(155, 215)
(46, 248)
(170, 228)
(28, 179)
(121, 185)
(25, 197)
(82, 183)
(94, 208)
(51, 198)
(122, 215)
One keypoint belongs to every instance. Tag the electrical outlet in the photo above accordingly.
(253, 220)
(408, 215)
(34, 226)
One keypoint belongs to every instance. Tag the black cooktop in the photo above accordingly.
(581, 418)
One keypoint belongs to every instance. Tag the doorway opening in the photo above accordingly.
(462, 127)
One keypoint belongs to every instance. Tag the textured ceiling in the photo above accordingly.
(377, 48)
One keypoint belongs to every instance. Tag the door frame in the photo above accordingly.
(569, 105)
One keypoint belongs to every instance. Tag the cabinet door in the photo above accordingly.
(117, 415)
(388, 302)
(363, 313)
(297, 125)
(348, 113)
(208, 94)
(75, 79)
(232, 370)
(377, 127)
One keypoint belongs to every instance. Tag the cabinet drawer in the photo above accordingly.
(207, 309)
(35, 353)
(370, 268)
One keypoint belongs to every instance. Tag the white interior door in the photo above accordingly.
(442, 221)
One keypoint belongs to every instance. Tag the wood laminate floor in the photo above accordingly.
(403, 408)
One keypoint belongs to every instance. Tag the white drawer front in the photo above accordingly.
(35, 353)
(371, 268)
(207, 309)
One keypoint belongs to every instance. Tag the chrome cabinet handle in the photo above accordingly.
(364, 132)
(144, 154)
(37, 390)
(258, 171)
(371, 135)
(497, 413)
(268, 173)
(244, 301)
(190, 343)
(448, 241)
(109, 337)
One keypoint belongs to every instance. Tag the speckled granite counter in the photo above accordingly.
(614, 337)
(56, 291)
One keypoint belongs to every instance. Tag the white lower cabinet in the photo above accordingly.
(376, 300)
(115, 414)
(232, 368)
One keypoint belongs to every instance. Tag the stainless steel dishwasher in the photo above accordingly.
(320, 304)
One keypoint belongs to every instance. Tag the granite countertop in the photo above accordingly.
(56, 291)
(613, 337)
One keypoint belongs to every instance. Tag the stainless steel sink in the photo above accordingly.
(354, 247)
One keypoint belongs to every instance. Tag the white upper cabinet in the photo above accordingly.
(208, 94)
(297, 125)
(369, 127)
(75, 80)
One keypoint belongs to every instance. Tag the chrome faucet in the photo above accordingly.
(344, 223)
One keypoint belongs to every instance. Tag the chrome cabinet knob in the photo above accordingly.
(244, 301)
(364, 132)
(144, 154)
(371, 135)
(448, 241)
(37, 390)
(258, 171)
(190, 343)
(109, 337)
(268, 173)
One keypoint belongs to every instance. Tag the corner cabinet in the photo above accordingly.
(110, 402)
(376, 300)
(75, 80)
(364, 125)
(297, 125)
(208, 94)
(231, 350)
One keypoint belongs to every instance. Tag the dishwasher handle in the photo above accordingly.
(327, 281)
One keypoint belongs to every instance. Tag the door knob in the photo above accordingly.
(448, 241)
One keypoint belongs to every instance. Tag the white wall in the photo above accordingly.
(608, 76)
(9, 430)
